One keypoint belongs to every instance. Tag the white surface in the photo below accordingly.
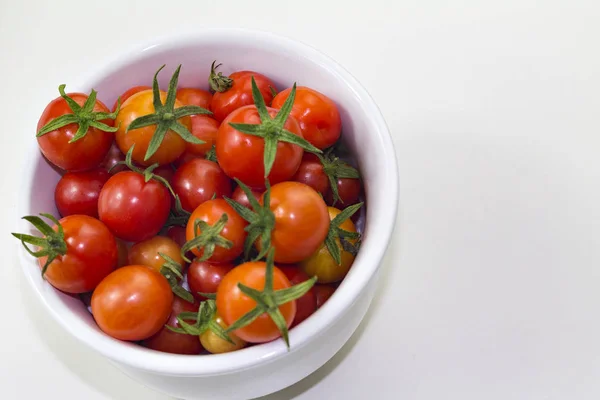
(492, 280)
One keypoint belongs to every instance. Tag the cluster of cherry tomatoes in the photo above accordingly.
(176, 205)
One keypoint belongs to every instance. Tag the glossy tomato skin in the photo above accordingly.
(301, 221)
(138, 105)
(215, 345)
(91, 255)
(172, 342)
(147, 252)
(348, 190)
(132, 303)
(316, 113)
(83, 154)
(240, 93)
(128, 93)
(198, 180)
(114, 156)
(307, 304)
(240, 196)
(242, 156)
(194, 97)
(204, 127)
(311, 173)
(78, 192)
(232, 303)
(210, 211)
(323, 293)
(134, 210)
(203, 276)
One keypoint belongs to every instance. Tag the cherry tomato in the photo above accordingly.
(233, 304)
(132, 303)
(91, 254)
(198, 180)
(311, 173)
(140, 104)
(301, 221)
(134, 210)
(130, 92)
(83, 154)
(177, 234)
(172, 342)
(215, 345)
(204, 127)
(349, 191)
(114, 156)
(240, 196)
(165, 171)
(242, 156)
(240, 93)
(77, 192)
(194, 97)
(203, 276)
(323, 293)
(147, 252)
(316, 113)
(307, 304)
(322, 265)
(210, 212)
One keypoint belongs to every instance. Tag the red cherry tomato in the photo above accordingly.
(114, 156)
(132, 303)
(197, 181)
(312, 174)
(205, 277)
(210, 212)
(240, 93)
(323, 293)
(242, 156)
(128, 93)
(177, 234)
(204, 127)
(172, 342)
(233, 304)
(307, 304)
(165, 171)
(194, 97)
(349, 191)
(133, 209)
(83, 154)
(240, 196)
(316, 113)
(148, 252)
(77, 192)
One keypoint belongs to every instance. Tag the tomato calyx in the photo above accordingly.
(166, 116)
(272, 129)
(261, 221)
(211, 155)
(217, 81)
(207, 237)
(84, 116)
(179, 216)
(335, 232)
(53, 243)
(147, 173)
(335, 168)
(268, 300)
(203, 321)
(171, 270)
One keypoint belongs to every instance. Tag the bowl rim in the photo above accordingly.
(136, 356)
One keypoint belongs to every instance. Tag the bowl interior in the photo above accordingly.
(285, 62)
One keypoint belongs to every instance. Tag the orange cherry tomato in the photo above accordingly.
(147, 252)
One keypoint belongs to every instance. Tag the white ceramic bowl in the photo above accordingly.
(258, 370)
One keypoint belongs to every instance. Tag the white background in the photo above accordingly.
(492, 286)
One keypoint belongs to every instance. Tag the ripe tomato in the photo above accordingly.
(138, 105)
(132, 303)
(203, 276)
(194, 97)
(133, 209)
(173, 342)
(128, 93)
(177, 234)
(199, 180)
(147, 252)
(323, 293)
(86, 254)
(165, 171)
(316, 113)
(311, 172)
(233, 304)
(239, 94)
(185, 157)
(242, 156)
(349, 191)
(240, 196)
(307, 304)
(215, 345)
(301, 221)
(322, 265)
(77, 192)
(211, 212)
(83, 154)
(114, 156)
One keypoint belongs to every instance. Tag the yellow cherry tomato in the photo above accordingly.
(215, 345)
